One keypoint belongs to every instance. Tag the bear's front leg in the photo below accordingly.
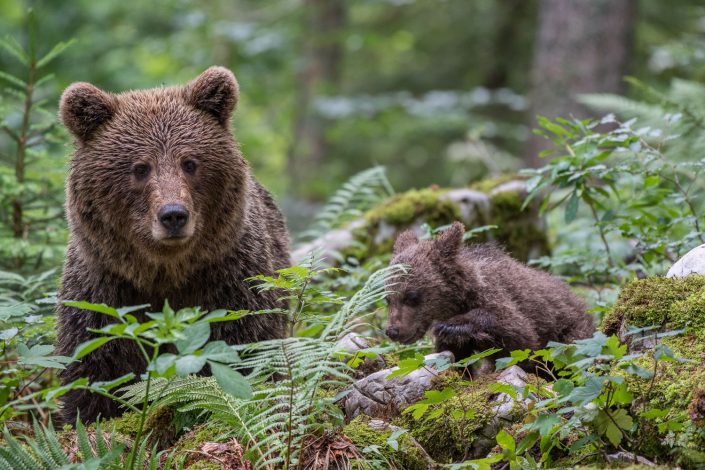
(110, 361)
(465, 334)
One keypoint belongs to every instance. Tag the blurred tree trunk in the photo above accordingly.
(582, 46)
(506, 40)
(318, 74)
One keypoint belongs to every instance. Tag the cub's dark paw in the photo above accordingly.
(452, 333)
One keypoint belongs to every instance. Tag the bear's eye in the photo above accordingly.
(412, 298)
(189, 166)
(140, 170)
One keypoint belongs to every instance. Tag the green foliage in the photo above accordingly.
(589, 407)
(26, 334)
(629, 186)
(44, 451)
(287, 376)
(359, 194)
(32, 231)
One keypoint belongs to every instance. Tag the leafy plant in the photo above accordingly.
(289, 377)
(361, 192)
(30, 195)
(589, 406)
(630, 188)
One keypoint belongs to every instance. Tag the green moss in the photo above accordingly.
(675, 381)
(409, 456)
(517, 230)
(402, 209)
(673, 302)
(448, 429)
(127, 424)
(487, 185)
(192, 441)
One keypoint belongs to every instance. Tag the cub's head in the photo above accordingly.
(155, 169)
(430, 291)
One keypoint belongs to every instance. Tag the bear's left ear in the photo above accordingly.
(215, 91)
(450, 241)
(84, 108)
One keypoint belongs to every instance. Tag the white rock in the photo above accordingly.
(692, 262)
(377, 396)
(474, 206)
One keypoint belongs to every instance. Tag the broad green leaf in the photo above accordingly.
(638, 371)
(122, 311)
(515, 358)
(195, 336)
(506, 441)
(563, 387)
(164, 362)
(190, 364)
(110, 384)
(587, 392)
(544, 423)
(219, 351)
(407, 366)
(8, 334)
(89, 346)
(571, 208)
(100, 308)
(231, 381)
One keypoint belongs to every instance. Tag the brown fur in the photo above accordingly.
(120, 254)
(476, 298)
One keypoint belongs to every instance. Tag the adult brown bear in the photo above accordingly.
(161, 205)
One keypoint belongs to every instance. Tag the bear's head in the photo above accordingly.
(155, 172)
(434, 288)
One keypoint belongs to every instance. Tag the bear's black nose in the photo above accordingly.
(393, 332)
(173, 217)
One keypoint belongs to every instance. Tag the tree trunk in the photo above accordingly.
(318, 75)
(582, 46)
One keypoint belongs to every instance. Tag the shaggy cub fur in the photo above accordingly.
(476, 298)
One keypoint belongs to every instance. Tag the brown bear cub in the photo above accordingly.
(161, 205)
(476, 298)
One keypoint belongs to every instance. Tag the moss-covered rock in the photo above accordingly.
(671, 302)
(495, 202)
(449, 430)
(372, 439)
(402, 208)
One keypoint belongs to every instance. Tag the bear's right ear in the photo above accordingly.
(404, 241)
(215, 91)
(84, 108)
(450, 241)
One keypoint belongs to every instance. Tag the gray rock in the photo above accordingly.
(474, 206)
(354, 342)
(504, 411)
(377, 396)
(692, 262)
(329, 245)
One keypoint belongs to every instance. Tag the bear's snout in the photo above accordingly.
(393, 333)
(173, 217)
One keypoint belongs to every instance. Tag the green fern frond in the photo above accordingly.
(360, 193)
(44, 452)
(286, 376)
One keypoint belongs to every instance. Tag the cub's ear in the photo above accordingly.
(450, 241)
(84, 108)
(215, 91)
(405, 240)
